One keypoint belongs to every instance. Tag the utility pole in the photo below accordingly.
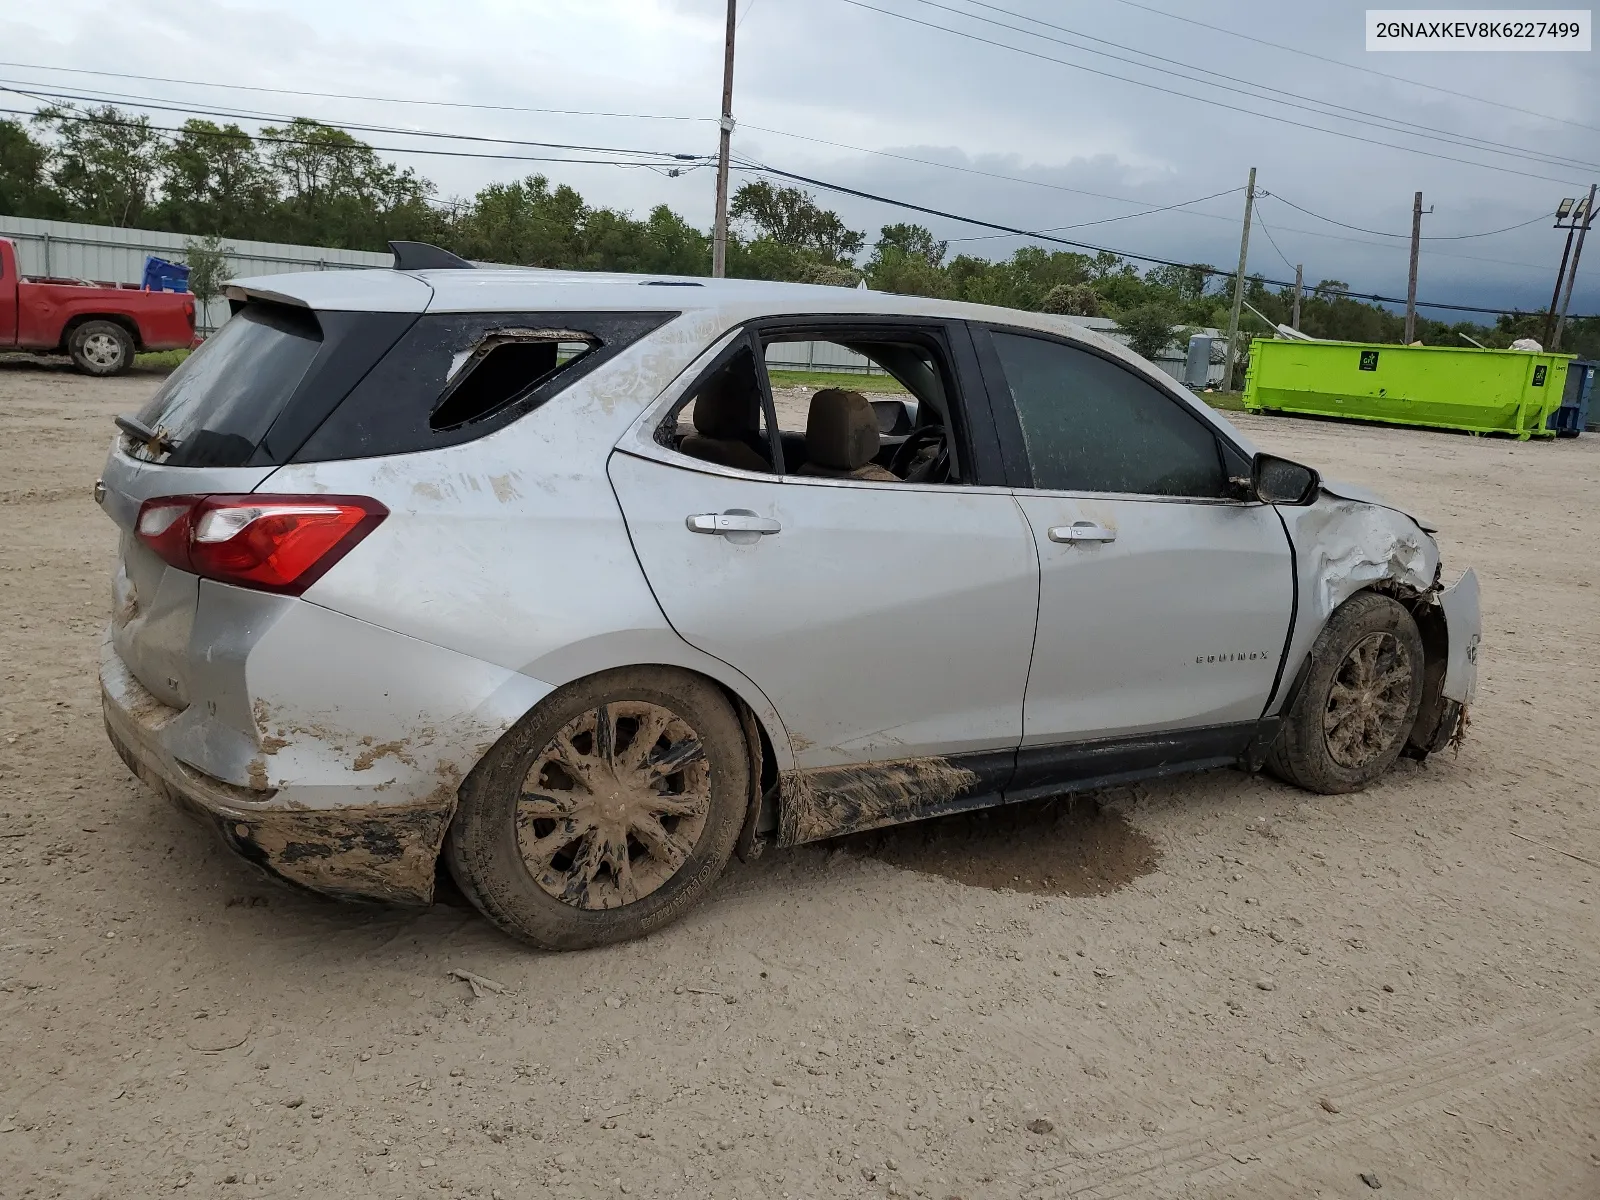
(1411, 281)
(1561, 271)
(1299, 277)
(719, 236)
(1238, 280)
(1585, 219)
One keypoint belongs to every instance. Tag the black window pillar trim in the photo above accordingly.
(1016, 469)
(758, 362)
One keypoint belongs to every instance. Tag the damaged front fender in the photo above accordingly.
(1345, 545)
(1342, 547)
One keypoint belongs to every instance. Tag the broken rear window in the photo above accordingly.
(504, 366)
(455, 377)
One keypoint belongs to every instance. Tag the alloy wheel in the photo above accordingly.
(102, 350)
(1369, 700)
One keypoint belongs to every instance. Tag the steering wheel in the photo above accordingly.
(906, 453)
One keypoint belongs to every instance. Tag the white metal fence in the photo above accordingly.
(69, 250)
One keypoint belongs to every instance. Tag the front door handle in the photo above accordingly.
(737, 525)
(1082, 531)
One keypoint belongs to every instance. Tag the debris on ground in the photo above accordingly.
(477, 983)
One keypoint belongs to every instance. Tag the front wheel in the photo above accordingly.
(606, 812)
(1351, 718)
(101, 348)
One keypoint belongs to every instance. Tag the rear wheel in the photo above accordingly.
(101, 348)
(605, 813)
(1359, 700)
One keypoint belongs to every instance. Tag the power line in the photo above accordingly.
(1272, 239)
(105, 96)
(136, 102)
(762, 168)
(928, 162)
(1453, 237)
(1107, 220)
(242, 87)
(1527, 112)
(384, 149)
(1200, 99)
(1292, 99)
(692, 163)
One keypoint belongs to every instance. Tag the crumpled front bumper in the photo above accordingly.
(374, 853)
(1465, 627)
(1448, 693)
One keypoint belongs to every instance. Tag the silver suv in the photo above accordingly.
(537, 573)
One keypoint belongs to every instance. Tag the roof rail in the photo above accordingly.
(419, 256)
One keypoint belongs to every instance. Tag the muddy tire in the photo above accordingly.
(606, 812)
(1353, 713)
(101, 348)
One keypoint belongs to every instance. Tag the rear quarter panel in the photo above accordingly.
(512, 548)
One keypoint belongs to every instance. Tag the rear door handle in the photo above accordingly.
(737, 525)
(1082, 531)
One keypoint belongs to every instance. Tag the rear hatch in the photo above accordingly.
(222, 423)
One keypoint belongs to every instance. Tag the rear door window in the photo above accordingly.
(220, 402)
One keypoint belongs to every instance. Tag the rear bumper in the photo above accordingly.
(324, 749)
(367, 853)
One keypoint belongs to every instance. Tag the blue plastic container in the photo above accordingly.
(163, 276)
(1572, 418)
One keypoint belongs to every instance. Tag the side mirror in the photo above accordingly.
(895, 417)
(1279, 481)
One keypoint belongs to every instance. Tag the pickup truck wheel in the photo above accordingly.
(606, 812)
(101, 348)
(1359, 701)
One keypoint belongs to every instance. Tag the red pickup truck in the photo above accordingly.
(101, 325)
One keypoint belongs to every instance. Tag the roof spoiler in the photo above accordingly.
(419, 256)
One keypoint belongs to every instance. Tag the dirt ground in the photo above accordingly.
(1212, 987)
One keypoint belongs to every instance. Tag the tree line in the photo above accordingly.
(313, 184)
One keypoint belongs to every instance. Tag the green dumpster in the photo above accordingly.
(1484, 391)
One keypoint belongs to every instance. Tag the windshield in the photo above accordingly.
(218, 405)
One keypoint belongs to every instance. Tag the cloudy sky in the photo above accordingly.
(851, 93)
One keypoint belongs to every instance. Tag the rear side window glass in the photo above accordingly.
(220, 402)
(504, 367)
(1093, 426)
(454, 377)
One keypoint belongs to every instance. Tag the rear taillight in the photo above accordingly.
(271, 543)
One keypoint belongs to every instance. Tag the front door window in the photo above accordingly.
(1091, 425)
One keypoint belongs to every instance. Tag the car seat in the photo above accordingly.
(842, 438)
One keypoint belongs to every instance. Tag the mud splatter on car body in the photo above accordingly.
(824, 801)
